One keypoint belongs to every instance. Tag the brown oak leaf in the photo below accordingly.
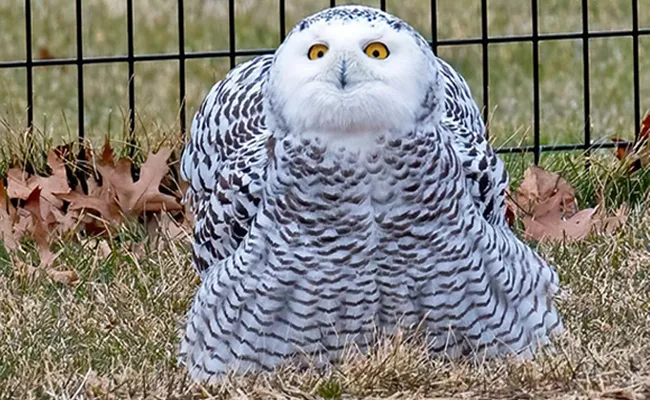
(68, 277)
(21, 186)
(551, 212)
(99, 199)
(8, 216)
(134, 198)
(40, 231)
(97, 209)
(552, 227)
(42, 236)
(539, 186)
(609, 224)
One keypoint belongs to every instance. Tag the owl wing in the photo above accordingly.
(485, 173)
(225, 160)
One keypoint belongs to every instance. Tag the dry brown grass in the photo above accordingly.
(115, 334)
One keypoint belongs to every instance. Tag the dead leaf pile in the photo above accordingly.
(47, 208)
(546, 205)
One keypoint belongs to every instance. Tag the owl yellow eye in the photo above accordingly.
(317, 51)
(377, 50)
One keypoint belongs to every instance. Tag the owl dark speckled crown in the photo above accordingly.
(357, 13)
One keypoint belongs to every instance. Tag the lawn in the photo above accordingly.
(257, 26)
(114, 334)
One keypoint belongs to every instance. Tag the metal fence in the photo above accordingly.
(232, 53)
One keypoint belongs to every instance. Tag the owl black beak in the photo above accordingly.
(343, 70)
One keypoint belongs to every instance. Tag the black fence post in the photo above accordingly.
(486, 64)
(635, 58)
(434, 26)
(231, 32)
(131, 63)
(28, 64)
(586, 80)
(283, 21)
(80, 74)
(181, 67)
(536, 119)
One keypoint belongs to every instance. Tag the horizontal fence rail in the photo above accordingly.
(585, 35)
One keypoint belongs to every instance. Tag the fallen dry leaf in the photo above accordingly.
(119, 195)
(69, 277)
(636, 155)
(163, 229)
(98, 208)
(98, 199)
(23, 225)
(553, 227)
(103, 249)
(550, 210)
(66, 277)
(164, 225)
(8, 216)
(539, 186)
(21, 186)
(66, 222)
(609, 224)
(40, 232)
(135, 198)
(42, 236)
(108, 156)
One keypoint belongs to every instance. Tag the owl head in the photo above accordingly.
(349, 71)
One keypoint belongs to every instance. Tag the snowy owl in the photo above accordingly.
(344, 186)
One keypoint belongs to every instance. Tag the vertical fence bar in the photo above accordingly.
(434, 26)
(231, 32)
(29, 67)
(635, 57)
(283, 21)
(382, 5)
(585, 61)
(332, 3)
(536, 119)
(80, 73)
(181, 66)
(131, 65)
(486, 83)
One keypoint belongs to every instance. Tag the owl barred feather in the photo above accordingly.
(347, 195)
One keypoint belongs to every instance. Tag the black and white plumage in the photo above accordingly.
(347, 192)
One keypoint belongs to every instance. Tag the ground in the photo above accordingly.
(115, 333)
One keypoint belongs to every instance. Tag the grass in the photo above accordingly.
(257, 26)
(115, 334)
